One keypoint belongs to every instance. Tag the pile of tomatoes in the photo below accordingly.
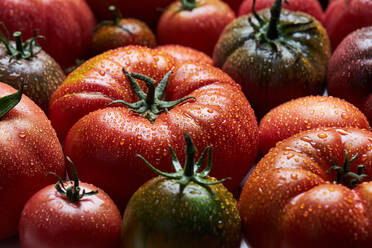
(134, 123)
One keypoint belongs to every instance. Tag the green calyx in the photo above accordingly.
(188, 5)
(190, 172)
(345, 176)
(115, 21)
(150, 105)
(8, 102)
(27, 50)
(72, 191)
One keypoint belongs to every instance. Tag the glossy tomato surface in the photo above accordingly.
(103, 143)
(29, 148)
(350, 70)
(50, 220)
(185, 54)
(66, 24)
(292, 199)
(307, 113)
(199, 27)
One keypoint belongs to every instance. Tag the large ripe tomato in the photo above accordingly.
(344, 16)
(311, 7)
(70, 214)
(276, 55)
(194, 23)
(183, 209)
(104, 143)
(185, 54)
(307, 113)
(312, 190)
(29, 148)
(350, 70)
(66, 24)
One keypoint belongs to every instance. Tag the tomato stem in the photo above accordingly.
(116, 18)
(8, 102)
(188, 4)
(276, 9)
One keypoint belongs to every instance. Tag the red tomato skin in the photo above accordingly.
(350, 70)
(29, 148)
(66, 24)
(307, 113)
(199, 28)
(50, 220)
(289, 200)
(311, 7)
(234, 4)
(185, 54)
(344, 16)
(104, 143)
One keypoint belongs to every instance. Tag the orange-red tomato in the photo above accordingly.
(185, 54)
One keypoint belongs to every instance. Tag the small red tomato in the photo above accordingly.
(306, 113)
(185, 54)
(311, 7)
(70, 214)
(350, 70)
(194, 23)
(344, 16)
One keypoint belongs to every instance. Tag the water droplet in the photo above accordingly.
(322, 135)
(22, 135)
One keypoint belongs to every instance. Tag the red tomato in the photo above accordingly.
(197, 24)
(234, 4)
(66, 24)
(295, 198)
(306, 113)
(29, 148)
(344, 16)
(104, 143)
(350, 70)
(185, 54)
(311, 7)
(84, 219)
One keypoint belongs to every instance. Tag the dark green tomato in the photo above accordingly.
(41, 73)
(161, 215)
(273, 70)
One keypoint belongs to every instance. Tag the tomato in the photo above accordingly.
(27, 61)
(29, 148)
(148, 11)
(110, 34)
(311, 7)
(185, 54)
(344, 16)
(194, 23)
(274, 60)
(234, 4)
(70, 214)
(66, 24)
(350, 70)
(306, 113)
(182, 209)
(311, 190)
(104, 143)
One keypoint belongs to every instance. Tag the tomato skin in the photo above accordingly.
(234, 4)
(289, 200)
(103, 144)
(50, 220)
(350, 70)
(311, 7)
(66, 24)
(307, 113)
(185, 54)
(29, 148)
(198, 28)
(344, 16)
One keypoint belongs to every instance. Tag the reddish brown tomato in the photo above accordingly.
(185, 54)
(306, 113)
(104, 143)
(66, 24)
(311, 7)
(50, 220)
(29, 148)
(344, 16)
(197, 26)
(295, 198)
(350, 70)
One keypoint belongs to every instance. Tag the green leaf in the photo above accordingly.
(8, 102)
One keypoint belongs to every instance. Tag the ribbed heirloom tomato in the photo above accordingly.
(312, 190)
(195, 98)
